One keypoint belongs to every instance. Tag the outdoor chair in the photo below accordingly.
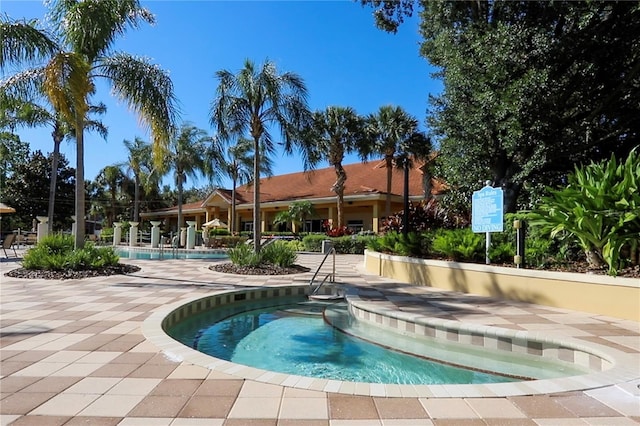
(7, 243)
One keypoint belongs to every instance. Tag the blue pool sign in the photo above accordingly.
(487, 210)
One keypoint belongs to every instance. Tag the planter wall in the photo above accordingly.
(611, 296)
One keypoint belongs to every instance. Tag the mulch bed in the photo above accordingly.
(119, 269)
(229, 268)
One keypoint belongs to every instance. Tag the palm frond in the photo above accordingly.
(148, 91)
(22, 42)
(91, 26)
(67, 84)
(26, 84)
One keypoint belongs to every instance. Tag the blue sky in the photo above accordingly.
(333, 45)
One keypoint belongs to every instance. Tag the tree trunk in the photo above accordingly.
(389, 166)
(232, 224)
(57, 139)
(179, 206)
(136, 201)
(79, 202)
(338, 188)
(256, 195)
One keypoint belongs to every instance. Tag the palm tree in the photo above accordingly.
(184, 157)
(297, 213)
(111, 179)
(139, 164)
(237, 165)
(251, 101)
(389, 128)
(19, 112)
(333, 133)
(87, 31)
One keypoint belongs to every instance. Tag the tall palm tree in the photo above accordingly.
(334, 132)
(77, 54)
(389, 128)
(251, 101)
(184, 158)
(237, 165)
(20, 112)
(139, 164)
(111, 179)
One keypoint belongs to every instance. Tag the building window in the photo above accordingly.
(355, 225)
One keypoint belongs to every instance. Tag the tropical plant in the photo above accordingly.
(252, 101)
(184, 158)
(18, 112)
(459, 244)
(297, 213)
(138, 163)
(237, 165)
(390, 129)
(600, 207)
(279, 253)
(56, 252)
(77, 54)
(334, 132)
(410, 244)
(111, 179)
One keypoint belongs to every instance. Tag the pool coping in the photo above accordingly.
(623, 365)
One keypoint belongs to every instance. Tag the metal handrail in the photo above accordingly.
(331, 276)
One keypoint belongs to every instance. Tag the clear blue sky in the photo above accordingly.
(333, 45)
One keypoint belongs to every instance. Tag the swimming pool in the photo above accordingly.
(157, 254)
(321, 340)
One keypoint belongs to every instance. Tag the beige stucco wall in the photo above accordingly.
(612, 296)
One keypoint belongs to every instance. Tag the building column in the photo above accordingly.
(117, 233)
(43, 227)
(331, 216)
(191, 234)
(155, 233)
(133, 234)
(376, 219)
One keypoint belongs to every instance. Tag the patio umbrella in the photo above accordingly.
(6, 209)
(214, 223)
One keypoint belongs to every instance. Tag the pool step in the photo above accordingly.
(326, 297)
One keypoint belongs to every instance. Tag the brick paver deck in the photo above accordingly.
(72, 352)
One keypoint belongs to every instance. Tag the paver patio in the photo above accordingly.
(72, 352)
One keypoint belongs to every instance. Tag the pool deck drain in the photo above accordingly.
(74, 352)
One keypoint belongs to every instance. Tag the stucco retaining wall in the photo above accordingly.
(612, 296)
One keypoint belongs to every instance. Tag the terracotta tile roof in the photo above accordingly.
(362, 179)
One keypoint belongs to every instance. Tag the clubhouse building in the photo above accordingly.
(364, 199)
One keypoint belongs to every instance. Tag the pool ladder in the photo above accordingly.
(330, 277)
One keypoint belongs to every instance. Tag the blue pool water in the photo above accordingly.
(167, 254)
(295, 339)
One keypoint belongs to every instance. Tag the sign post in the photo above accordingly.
(487, 213)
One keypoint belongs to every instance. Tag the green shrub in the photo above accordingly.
(313, 242)
(279, 253)
(295, 245)
(600, 207)
(397, 243)
(243, 255)
(56, 252)
(459, 244)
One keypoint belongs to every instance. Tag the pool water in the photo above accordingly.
(168, 254)
(294, 338)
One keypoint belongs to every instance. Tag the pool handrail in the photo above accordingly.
(331, 276)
